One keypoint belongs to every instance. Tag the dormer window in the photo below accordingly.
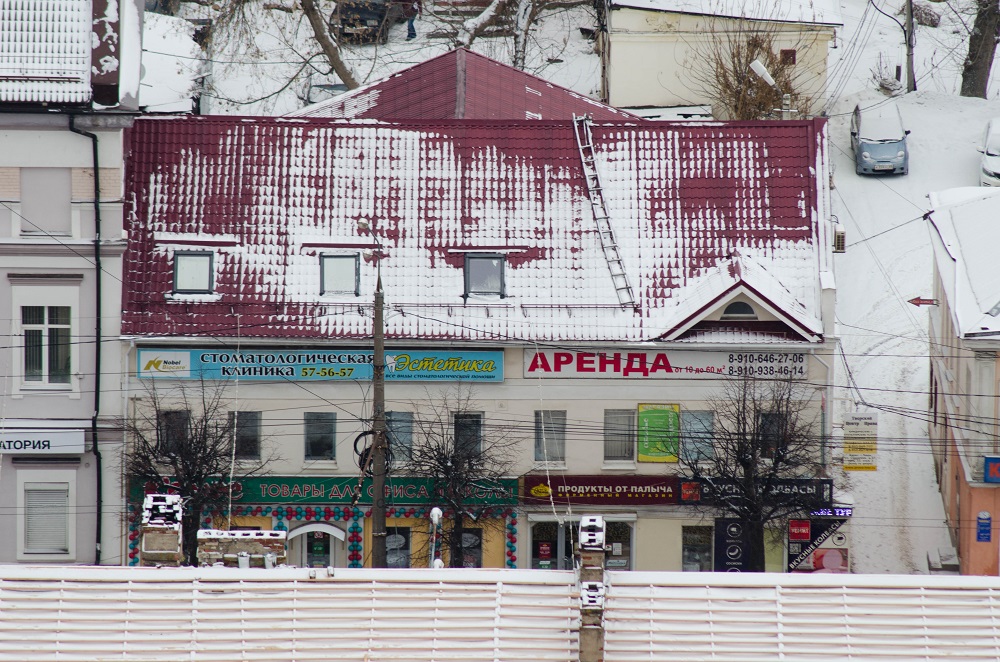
(193, 272)
(739, 310)
(484, 275)
(339, 274)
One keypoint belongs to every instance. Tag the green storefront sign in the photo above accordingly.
(659, 432)
(400, 490)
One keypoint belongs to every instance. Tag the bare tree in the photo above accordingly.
(461, 455)
(982, 49)
(720, 70)
(186, 441)
(765, 438)
(302, 47)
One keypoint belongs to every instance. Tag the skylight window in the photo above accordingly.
(193, 272)
(739, 310)
(339, 274)
(484, 275)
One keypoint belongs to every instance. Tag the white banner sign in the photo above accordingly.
(40, 442)
(861, 442)
(675, 364)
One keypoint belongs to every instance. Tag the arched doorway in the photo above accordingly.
(313, 545)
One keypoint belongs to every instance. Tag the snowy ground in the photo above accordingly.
(898, 515)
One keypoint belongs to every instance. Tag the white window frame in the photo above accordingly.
(324, 259)
(56, 478)
(179, 256)
(550, 438)
(621, 463)
(44, 293)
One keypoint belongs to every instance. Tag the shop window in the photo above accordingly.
(47, 345)
(46, 201)
(619, 434)
(618, 537)
(246, 427)
(484, 275)
(339, 274)
(317, 549)
(469, 432)
(321, 435)
(399, 427)
(46, 518)
(397, 546)
(696, 550)
(697, 435)
(193, 272)
(550, 435)
(552, 544)
(739, 310)
(472, 548)
(771, 428)
(173, 431)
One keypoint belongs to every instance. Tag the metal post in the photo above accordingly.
(786, 106)
(378, 429)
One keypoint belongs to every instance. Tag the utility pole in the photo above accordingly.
(378, 429)
(911, 79)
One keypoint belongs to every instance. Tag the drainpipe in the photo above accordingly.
(97, 334)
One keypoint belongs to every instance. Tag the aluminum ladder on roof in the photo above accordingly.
(585, 141)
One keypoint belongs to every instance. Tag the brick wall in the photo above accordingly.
(10, 183)
(83, 184)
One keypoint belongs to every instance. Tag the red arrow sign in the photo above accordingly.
(918, 301)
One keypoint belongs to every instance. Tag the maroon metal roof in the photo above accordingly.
(267, 196)
(462, 84)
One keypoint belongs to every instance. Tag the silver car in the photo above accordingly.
(879, 141)
(989, 169)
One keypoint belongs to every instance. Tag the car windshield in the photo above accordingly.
(882, 150)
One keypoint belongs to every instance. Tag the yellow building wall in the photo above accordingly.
(655, 57)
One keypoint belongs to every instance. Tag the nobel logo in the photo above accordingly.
(164, 365)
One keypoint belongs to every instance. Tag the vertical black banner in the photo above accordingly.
(731, 549)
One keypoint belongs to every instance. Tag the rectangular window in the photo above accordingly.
(484, 275)
(46, 201)
(550, 435)
(697, 435)
(246, 425)
(46, 518)
(193, 272)
(339, 274)
(472, 548)
(469, 432)
(771, 428)
(787, 56)
(619, 434)
(173, 429)
(399, 427)
(397, 546)
(46, 344)
(321, 435)
(696, 549)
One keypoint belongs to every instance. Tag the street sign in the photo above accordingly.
(984, 526)
(920, 301)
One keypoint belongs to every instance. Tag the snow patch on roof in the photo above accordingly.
(965, 252)
(45, 51)
(824, 12)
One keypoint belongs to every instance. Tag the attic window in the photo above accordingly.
(484, 275)
(739, 310)
(193, 272)
(339, 274)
